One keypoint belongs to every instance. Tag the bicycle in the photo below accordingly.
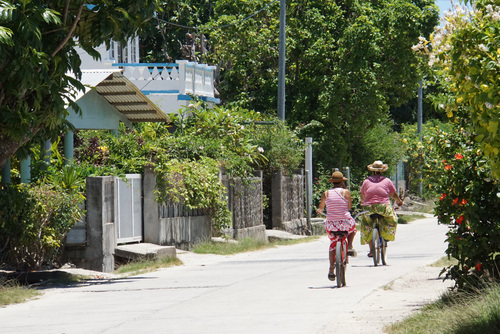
(341, 257)
(379, 243)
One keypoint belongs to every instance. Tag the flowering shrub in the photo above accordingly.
(469, 204)
(466, 56)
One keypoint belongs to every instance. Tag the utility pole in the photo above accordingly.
(281, 68)
(419, 128)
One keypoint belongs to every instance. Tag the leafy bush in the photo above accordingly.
(469, 204)
(422, 160)
(34, 220)
(196, 184)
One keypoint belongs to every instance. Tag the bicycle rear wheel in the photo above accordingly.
(338, 263)
(383, 250)
(376, 246)
(344, 261)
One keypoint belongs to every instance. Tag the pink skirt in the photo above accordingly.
(338, 225)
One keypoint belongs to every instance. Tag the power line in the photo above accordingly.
(221, 26)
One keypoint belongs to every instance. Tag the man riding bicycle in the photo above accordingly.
(376, 192)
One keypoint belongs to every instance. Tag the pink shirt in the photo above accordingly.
(337, 207)
(376, 189)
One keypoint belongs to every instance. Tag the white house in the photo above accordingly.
(168, 85)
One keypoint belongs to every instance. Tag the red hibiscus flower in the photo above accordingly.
(455, 201)
(459, 220)
(459, 156)
(447, 167)
(464, 201)
(479, 266)
(442, 197)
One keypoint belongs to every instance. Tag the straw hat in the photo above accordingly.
(378, 166)
(337, 177)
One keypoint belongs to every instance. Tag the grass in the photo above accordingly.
(457, 313)
(244, 245)
(11, 292)
(445, 262)
(148, 265)
(405, 219)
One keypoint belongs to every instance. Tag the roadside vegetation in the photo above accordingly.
(475, 312)
(131, 268)
(405, 219)
(245, 245)
(11, 292)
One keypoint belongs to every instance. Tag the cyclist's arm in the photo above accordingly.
(321, 205)
(396, 198)
(347, 196)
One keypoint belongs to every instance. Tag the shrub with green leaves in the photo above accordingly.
(421, 157)
(196, 184)
(34, 220)
(469, 204)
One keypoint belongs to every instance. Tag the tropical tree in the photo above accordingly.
(39, 67)
(347, 63)
(174, 33)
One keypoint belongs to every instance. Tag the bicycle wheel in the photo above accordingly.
(376, 246)
(338, 263)
(383, 250)
(344, 261)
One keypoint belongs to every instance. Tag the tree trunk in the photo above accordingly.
(8, 147)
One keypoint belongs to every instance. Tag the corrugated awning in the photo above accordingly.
(123, 95)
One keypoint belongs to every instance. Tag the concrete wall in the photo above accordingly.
(169, 223)
(245, 204)
(288, 202)
(98, 251)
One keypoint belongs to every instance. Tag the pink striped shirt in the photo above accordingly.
(337, 207)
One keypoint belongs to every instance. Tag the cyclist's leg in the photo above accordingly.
(331, 255)
(350, 239)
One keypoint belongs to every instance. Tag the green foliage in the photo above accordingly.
(281, 147)
(167, 39)
(196, 184)
(343, 71)
(469, 204)
(421, 157)
(40, 67)
(34, 220)
(465, 56)
(225, 134)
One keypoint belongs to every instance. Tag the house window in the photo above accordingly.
(125, 53)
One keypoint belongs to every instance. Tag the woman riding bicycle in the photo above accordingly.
(338, 217)
(376, 192)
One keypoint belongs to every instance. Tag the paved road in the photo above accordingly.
(280, 290)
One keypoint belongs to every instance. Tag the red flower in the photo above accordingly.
(479, 266)
(447, 167)
(442, 197)
(459, 156)
(459, 220)
(464, 201)
(455, 201)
